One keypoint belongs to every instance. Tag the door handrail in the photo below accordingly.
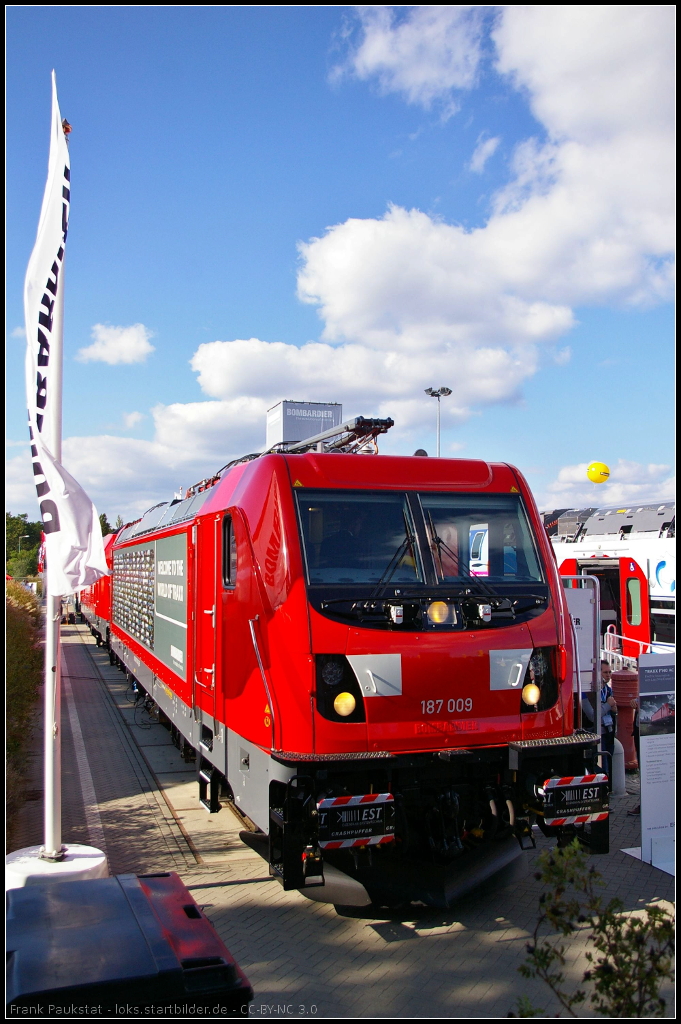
(270, 704)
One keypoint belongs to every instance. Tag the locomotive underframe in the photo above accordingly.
(453, 808)
(99, 627)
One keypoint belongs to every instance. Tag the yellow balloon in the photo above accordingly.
(598, 472)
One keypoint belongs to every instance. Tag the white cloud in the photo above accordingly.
(424, 52)
(18, 332)
(367, 379)
(591, 71)
(125, 476)
(408, 301)
(117, 345)
(131, 419)
(210, 431)
(122, 475)
(482, 152)
(628, 482)
(585, 218)
(588, 212)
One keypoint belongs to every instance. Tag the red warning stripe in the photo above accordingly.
(575, 780)
(576, 819)
(354, 801)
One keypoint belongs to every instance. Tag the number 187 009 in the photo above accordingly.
(436, 707)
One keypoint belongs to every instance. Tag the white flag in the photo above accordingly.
(73, 536)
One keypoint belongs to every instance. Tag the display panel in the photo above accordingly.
(133, 592)
(170, 616)
(150, 597)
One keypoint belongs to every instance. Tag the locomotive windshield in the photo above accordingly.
(370, 537)
(358, 537)
(480, 535)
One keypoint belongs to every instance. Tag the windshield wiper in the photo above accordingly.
(388, 572)
(483, 588)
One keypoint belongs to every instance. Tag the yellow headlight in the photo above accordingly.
(344, 704)
(531, 693)
(438, 612)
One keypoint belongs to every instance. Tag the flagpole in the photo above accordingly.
(52, 842)
(74, 554)
(52, 845)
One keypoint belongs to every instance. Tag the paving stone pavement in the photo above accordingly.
(303, 958)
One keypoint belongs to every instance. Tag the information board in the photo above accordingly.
(657, 709)
(150, 597)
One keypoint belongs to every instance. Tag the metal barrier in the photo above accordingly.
(612, 650)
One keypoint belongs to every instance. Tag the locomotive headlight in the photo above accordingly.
(332, 673)
(438, 612)
(531, 693)
(344, 704)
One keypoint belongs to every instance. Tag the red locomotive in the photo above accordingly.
(95, 601)
(309, 623)
(663, 713)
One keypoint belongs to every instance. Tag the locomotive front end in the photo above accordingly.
(442, 698)
(371, 658)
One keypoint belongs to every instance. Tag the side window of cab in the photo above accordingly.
(229, 561)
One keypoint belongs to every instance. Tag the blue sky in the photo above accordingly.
(349, 204)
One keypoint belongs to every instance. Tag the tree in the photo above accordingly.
(24, 564)
(105, 524)
(634, 953)
(119, 523)
(16, 529)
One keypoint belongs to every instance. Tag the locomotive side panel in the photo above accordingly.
(95, 601)
(151, 598)
(264, 615)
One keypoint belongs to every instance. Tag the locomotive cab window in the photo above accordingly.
(229, 564)
(480, 535)
(358, 537)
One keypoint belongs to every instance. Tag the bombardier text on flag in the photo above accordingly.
(73, 536)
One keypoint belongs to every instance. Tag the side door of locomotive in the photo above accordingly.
(635, 605)
(206, 610)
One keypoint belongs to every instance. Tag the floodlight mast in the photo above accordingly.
(438, 393)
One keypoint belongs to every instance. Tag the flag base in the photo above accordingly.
(26, 867)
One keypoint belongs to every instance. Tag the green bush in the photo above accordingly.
(630, 955)
(23, 564)
(20, 597)
(24, 663)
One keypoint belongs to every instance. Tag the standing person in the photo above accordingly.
(608, 712)
(636, 730)
(636, 733)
